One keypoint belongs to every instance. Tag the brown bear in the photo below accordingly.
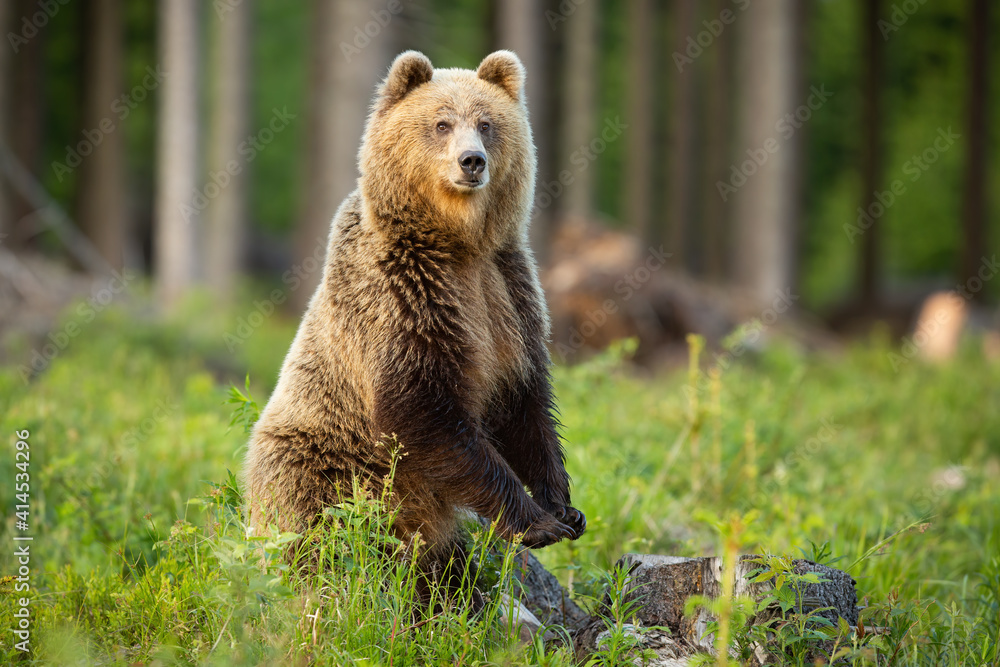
(429, 325)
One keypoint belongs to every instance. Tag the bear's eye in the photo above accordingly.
(442, 126)
(484, 127)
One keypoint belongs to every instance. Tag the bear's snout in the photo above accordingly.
(473, 163)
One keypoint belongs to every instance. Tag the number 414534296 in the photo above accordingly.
(22, 488)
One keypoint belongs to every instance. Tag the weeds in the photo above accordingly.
(621, 643)
(126, 425)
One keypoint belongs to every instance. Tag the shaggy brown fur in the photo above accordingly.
(429, 324)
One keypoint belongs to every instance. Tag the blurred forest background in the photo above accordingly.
(834, 151)
(808, 184)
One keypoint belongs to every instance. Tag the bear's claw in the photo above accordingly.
(546, 532)
(573, 518)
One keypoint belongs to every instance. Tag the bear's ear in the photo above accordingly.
(409, 70)
(504, 69)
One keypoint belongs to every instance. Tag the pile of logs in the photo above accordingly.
(603, 285)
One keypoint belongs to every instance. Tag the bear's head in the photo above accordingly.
(451, 148)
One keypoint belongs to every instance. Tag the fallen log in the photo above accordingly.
(545, 597)
(602, 285)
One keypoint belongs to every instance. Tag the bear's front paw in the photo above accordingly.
(546, 531)
(573, 518)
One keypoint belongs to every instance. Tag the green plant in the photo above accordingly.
(618, 609)
(247, 412)
(126, 423)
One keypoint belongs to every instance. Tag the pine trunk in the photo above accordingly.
(766, 205)
(344, 73)
(974, 211)
(226, 214)
(176, 218)
(639, 158)
(100, 189)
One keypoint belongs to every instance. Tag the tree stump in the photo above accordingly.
(664, 583)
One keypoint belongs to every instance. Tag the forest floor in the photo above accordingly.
(864, 459)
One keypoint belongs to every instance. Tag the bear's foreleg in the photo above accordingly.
(523, 423)
(523, 426)
(443, 446)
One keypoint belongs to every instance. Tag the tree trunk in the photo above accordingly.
(26, 113)
(100, 188)
(717, 138)
(681, 185)
(579, 109)
(974, 210)
(226, 215)
(176, 219)
(6, 94)
(343, 80)
(639, 162)
(766, 207)
(519, 26)
(871, 169)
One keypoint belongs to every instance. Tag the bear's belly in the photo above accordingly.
(498, 350)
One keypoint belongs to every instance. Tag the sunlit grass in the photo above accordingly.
(130, 422)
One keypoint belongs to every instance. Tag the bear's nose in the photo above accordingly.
(473, 162)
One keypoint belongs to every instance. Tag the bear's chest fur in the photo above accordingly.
(497, 351)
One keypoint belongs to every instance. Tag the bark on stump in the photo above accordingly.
(664, 584)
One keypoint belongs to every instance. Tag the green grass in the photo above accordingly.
(896, 473)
